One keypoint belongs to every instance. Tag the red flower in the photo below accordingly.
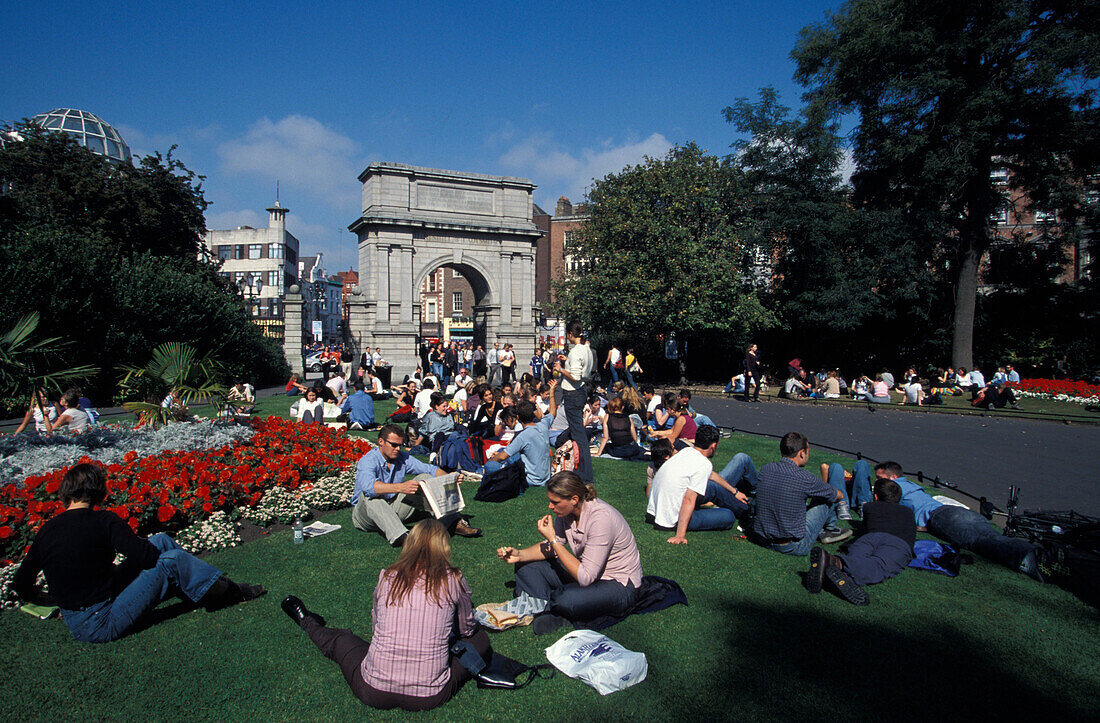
(165, 512)
(6, 532)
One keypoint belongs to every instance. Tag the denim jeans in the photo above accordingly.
(574, 402)
(493, 466)
(549, 581)
(967, 529)
(629, 378)
(730, 389)
(175, 569)
(818, 518)
(701, 419)
(722, 517)
(740, 469)
(859, 491)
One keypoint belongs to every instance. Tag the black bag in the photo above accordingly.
(504, 484)
(503, 672)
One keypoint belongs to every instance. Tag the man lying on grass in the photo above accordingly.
(100, 601)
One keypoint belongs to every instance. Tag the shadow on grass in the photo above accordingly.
(797, 664)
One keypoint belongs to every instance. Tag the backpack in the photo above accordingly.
(504, 484)
(456, 453)
(402, 415)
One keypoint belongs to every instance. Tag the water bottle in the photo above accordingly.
(299, 533)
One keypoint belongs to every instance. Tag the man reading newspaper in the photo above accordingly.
(383, 501)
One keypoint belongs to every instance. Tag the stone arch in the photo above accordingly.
(416, 220)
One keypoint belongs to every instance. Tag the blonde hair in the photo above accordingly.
(426, 555)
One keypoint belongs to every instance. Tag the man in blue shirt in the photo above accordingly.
(382, 501)
(531, 444)
(962, 526)
(782, 521)
(360, 408)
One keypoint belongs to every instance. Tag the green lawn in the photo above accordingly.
(752, 644)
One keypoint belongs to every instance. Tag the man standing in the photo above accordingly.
(782, 521)
(493, 359)
(614, 362)
(576, 374)
(382, 501)
(477, 358)
(686, 481)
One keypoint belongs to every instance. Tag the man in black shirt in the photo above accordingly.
(881, 552)
(100, 601)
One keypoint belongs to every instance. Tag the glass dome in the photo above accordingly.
(88, 130)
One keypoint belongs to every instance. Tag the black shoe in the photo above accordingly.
(846, 587)
(296, 611)
(224, 593)
(547, 623)
(819, 560)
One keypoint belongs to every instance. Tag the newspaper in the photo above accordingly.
(318, 528)
(443, 494)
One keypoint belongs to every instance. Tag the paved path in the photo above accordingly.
(1054, 464)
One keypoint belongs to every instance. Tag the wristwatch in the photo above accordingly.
(548, 549)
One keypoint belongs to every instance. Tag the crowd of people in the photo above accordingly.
(912, 388)
(585, 564)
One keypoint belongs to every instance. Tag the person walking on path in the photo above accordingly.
(752, 372)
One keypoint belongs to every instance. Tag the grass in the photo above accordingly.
(752, 644)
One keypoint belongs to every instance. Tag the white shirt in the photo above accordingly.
(653, 404)
(579, 364)
(493, 357)
(912, 392)
(423, 402)
(376, 385)
(376, 359)
(977, 378)
(616, 355)
(338, 386)
(463, 379)
(686, 470)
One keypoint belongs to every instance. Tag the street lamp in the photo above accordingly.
(250, 287)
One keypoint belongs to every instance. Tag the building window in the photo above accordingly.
(456, 274)
(275, 251)
(432, 313)
(255, 251)
(238, 277)
(272, 278)
(225, 252)
(999, 217)
(432, 283)
(1046, 216)
(456, 304)
(570, 239)
(238, 251)
(999, 176)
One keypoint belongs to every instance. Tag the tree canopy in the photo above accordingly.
(108, 254)
(662, 253)
(947, 92)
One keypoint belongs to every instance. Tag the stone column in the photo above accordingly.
(292, 330)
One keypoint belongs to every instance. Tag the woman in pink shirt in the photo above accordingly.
(587, 567)
(420, 604)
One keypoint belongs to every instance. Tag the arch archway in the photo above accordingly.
(416, 220)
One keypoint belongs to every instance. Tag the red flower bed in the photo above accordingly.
(171, 490)
(1054, 387)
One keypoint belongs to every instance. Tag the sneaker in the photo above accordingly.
(819, 560)
(843, 511)
(828, 537)
(846, 587)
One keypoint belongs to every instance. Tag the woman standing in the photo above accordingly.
(752, 372)
(508, 364)
(420, 603)
(588, 564)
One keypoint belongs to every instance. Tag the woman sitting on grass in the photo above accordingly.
(100, 601)
(620, 439)
(420, 603)
(598, 573)
(294, 386)
(682, 432)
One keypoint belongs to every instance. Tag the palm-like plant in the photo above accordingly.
(27, 364)
(175, 367)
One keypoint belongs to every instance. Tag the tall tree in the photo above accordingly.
(843, 273)
(946, 92)
(661, 253)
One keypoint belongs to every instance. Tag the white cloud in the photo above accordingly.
(302, 154)
(565, 173)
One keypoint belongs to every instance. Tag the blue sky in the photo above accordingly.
(309, 94)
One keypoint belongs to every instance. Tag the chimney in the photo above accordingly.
(564, 208)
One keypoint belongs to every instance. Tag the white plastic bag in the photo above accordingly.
(597, 660)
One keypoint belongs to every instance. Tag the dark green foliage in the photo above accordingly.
(945, 92)
(108, 255)
(664, 255)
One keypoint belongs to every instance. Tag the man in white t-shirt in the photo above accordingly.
(686, 481)
(463, 378)
(422, 404)
(339, 386)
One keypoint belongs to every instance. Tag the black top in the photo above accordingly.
(892, 519)
(76, 550)
(618, 429)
